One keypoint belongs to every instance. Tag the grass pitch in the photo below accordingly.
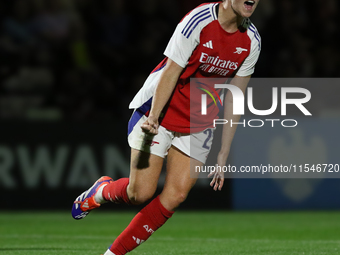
(227, 233)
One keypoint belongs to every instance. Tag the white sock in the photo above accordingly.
(108, 252)
(98, 197)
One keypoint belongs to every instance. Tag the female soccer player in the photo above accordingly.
(215, 40)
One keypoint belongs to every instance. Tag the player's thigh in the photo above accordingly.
(196, 145)
(145, 169)
(147, 154)
(180, 178)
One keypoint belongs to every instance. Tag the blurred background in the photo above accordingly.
(69, 68)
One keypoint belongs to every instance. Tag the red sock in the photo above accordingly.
(116, 191)
(147, 221)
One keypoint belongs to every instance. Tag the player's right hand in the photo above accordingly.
(150, 126)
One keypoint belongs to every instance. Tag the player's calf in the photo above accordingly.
(139, 196)
(143, 225)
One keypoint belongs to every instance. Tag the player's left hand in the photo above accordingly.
(218, 176)
(218, 179)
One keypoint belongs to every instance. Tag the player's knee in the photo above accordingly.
(180, 197)
(138, 197)
(176, 199)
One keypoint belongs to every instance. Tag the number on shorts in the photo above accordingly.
(209, 132)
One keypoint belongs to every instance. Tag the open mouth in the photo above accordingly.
(249, 4)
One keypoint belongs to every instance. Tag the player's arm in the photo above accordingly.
(241, 80)
(228, 130)
(163, 92)
(178, 51)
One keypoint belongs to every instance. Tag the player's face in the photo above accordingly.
(244, 8)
